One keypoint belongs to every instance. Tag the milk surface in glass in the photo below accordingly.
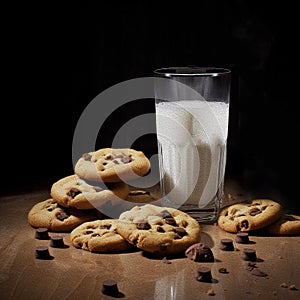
(192, 139)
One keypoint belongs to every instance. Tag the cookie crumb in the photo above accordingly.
(283, 285)
(292, 287)
(210, 292)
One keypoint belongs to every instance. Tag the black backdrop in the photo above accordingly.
(59, 57)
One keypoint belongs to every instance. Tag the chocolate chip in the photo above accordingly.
(57, 241)
(126, 159)
(42, 252)
(73, 192)
(254, 211)
(242, 238)
(203, 274)
(62, 215)
(223, 271)
(165, 214)
(199, 253)
(180, 231)
(245, 224)
(110, 287)
(106, 226)
(226, 245)
(87, 156)
(160, 229)
(249, 254)
(170, 221)
(116, 162)
(143, 226)
(42, 233)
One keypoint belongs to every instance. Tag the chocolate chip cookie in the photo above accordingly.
(244, 217)
(112, 165)
(49, 214)
(99, 236)
(159, 230)
(288, 224)
(72, 191)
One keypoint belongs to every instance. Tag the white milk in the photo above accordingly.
(192, 139)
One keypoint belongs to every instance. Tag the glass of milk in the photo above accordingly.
(192, 111)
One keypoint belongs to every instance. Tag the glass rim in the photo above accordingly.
(191, 71)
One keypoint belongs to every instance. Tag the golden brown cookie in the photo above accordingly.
(99, 236)
(72, 191)
(51, 215)
(249, 216)
(288, 224)
(159, 230)
(112, 165)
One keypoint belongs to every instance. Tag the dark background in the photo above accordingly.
(59, 57)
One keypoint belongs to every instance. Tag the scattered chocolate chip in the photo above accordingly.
(180, 231)
(87, 156)
(42, 252)
(116, 162)
(42, 233)
(110, 287)
(203, 274)
(170, 221)
(73, 192)
(62, 215)
(242, 238)
(166, 261)
(223, 271)
(199, 253)
(249, 254)
(57, 241)
(226, 245)
(143, 226)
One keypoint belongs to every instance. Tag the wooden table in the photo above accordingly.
(78, 274)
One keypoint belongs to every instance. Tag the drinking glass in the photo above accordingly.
(192, 112)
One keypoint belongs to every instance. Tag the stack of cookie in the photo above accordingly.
(264, 215)
(97, 185)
